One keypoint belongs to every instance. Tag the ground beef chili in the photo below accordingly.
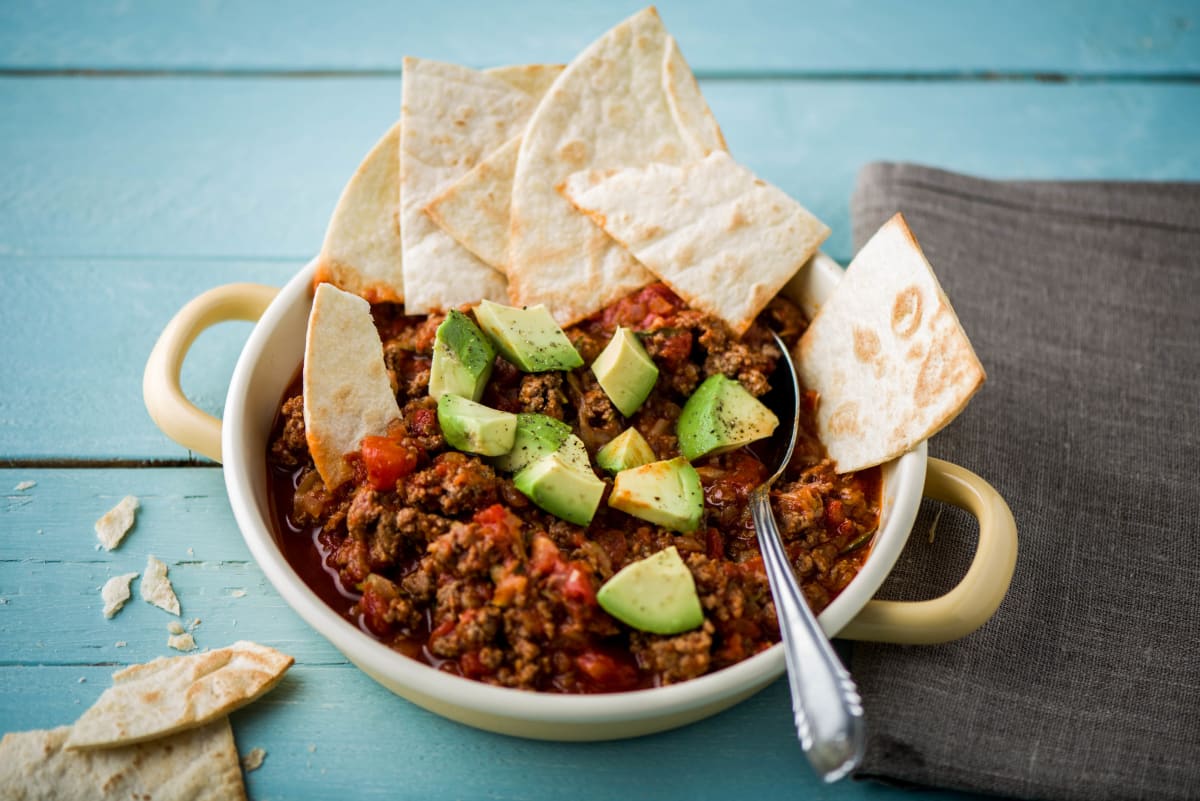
(437, 554)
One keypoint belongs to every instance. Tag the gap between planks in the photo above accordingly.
(99, 464)
(934, 76)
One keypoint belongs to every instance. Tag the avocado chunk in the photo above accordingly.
(528, 337)
(656, 594)
(475, 428)
(625, 371)
(666, 493)
(561, 487)
(628, 449)
(721, 416)
(462, 358)
(537, 435)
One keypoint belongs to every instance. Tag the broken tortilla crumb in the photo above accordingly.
(182, 642)
(156, 587)
(114, 524)
(115, 593)
(254, 759)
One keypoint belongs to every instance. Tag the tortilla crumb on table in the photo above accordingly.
(253, 760)
(115, 593)
(156, 588)
(114, 524)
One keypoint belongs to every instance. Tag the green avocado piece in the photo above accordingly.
(462, 358)
(561, 487)
(721, 416)
(625, 371)
(475, 428)
(656, 594)
(528, 337)
(666, 493)
(537, 435)
(628, 449)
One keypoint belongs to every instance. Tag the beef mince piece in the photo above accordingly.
(455, 566)
(290, 448)
(542, 393)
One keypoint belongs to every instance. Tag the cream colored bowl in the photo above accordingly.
(267, 364)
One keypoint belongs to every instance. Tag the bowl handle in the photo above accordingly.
(970, 604)
(178, 417)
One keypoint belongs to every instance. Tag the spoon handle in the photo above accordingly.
(825, 700)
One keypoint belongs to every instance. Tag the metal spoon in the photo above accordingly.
(825, 702)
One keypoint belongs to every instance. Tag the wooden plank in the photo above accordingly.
(77, 334)
(313, 727)
(251, 168)
(52, 569)
(772, 36)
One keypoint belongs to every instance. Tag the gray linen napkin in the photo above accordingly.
(1083, 302)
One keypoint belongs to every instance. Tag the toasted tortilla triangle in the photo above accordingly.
(476, 208)
(200, 764)
(722, 239)
(607, 110)
(887, 354)
(172, 694)
(451, 118)
(532, 79)
(347, 393)
(689, 108)
(361, 251)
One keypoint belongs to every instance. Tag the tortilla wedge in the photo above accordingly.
(361, 252)
(689, 108)
(347, 393)
(475, 209)
(722, 239)
(887, 354)
(451, 118)
(172, 694)
(200, 764)
(607, 110)
(532, 79)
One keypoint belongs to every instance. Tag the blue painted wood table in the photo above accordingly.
(149, 151)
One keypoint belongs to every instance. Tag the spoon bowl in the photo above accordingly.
(825, 702)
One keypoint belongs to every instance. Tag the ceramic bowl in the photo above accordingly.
(268, 363)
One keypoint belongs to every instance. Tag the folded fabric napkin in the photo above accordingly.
(1083, 303)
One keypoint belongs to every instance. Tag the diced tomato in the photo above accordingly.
(605, 673)
(676, 348)
(472, 665)
(387, 461)
(378, 594)
(423, 422)
(642, 309)
(545, 556)
(499, 524)
(577, 586)
(443, 628)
